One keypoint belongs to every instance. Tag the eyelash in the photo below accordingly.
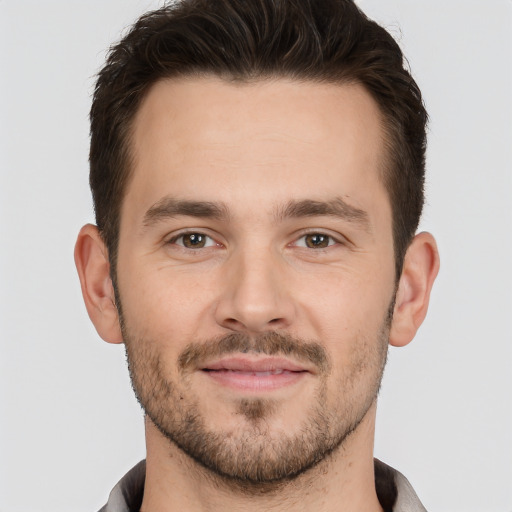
(211, 243)
(174, 240)
(324, 236)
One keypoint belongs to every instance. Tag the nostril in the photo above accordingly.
(237, 325)
(232, 323)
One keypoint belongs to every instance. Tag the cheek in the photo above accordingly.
(341, 306)
(162, 304)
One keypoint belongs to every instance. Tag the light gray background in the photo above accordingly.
(69, 424)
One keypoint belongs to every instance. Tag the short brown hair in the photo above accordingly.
(245, 40)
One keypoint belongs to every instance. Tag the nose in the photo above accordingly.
(254, 296)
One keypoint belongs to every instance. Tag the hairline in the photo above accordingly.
(389, 140)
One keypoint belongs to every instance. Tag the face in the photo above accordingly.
(255, 270)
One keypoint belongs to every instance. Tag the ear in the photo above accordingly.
(421, 265)
(91, 259)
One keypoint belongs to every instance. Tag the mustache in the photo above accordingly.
(268, 343)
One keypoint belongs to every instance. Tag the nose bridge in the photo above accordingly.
(254, 297)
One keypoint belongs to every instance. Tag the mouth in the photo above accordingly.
(244, 374)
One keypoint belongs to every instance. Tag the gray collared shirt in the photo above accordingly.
(394, 491)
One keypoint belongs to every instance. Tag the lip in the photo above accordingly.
(243, 364)
(244, 374)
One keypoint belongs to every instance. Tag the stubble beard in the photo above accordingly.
(255, 456)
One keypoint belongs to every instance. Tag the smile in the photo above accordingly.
(254, 375)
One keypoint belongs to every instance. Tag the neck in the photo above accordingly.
(342, 482)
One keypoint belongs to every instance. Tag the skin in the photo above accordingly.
(253, 150)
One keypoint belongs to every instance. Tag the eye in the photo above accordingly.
(315, 241)
(193, 241)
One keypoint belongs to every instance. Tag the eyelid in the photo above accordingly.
(172, 240)
(337, 238)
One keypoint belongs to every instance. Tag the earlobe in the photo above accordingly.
(420, 268)
(91, 259)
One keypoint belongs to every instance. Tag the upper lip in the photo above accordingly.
(265, 364)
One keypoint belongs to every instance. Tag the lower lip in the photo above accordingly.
(254, 381)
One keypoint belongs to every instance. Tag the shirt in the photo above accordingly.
(394, 491)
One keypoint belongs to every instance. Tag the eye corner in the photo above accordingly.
(192, 240)
(317, 240)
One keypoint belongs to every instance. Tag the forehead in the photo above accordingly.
(275, 138)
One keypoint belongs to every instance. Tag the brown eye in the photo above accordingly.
(194, 240)
(317, 241)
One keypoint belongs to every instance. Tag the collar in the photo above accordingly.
(394, 491)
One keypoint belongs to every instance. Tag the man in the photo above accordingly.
(257, 171)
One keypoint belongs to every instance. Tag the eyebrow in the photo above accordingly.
(170, 207)
(336, 207)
